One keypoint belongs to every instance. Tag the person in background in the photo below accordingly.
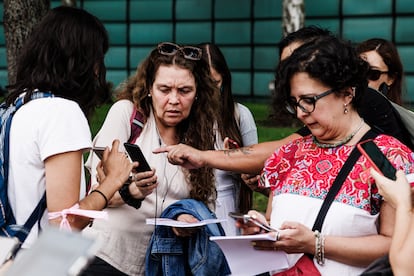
(399, 194)
(235, 122)
(49, 136)
(386, 69)
(385, 76)
(323, 83)
(178, 101)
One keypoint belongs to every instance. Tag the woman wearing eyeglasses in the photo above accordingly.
(386, 69)
(323, 83)
(178, 102)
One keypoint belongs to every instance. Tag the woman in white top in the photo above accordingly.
(173, 91)
(235, 122)
(48, 136)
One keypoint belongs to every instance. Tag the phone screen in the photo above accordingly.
(135, 154)
(246, 218)
(379, 161)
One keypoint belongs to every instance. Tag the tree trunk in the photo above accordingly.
(19, 18)
(293, 15)
(70, 3)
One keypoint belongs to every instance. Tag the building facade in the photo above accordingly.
(247, 31)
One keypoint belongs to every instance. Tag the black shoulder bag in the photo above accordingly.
(305, 266)
(381, 266)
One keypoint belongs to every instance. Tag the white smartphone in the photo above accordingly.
(247, 218)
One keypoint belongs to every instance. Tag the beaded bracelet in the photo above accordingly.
(103, 195)
(319, 248)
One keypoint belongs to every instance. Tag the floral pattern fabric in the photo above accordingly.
(304, 169)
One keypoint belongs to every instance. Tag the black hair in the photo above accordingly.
(330, 60)
(303, 35)
(64, 54)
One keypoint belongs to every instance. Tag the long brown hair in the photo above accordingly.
(197, 130)
(228, 125)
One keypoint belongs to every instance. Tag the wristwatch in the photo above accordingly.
(127, 197)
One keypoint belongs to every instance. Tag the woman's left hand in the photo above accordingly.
(186, 232)
(294, 237)
(143, 184)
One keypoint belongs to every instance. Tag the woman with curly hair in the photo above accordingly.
(323, 84)
(177, 101)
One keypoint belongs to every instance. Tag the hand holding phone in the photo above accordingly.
(135, 154)
(377, 159)
(247, 218)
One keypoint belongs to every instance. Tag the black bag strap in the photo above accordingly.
(339, 180)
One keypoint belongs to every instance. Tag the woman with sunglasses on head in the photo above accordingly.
(178, 100)
(236, 122)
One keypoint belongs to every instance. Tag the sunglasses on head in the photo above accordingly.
(170, 49)
(374, 74)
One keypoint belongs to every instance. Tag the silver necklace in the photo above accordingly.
(340, 143)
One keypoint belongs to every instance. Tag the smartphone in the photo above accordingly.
(135, 154)
(247, 218)
(99, 151)
(377, 159)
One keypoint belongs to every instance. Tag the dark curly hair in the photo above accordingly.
(198, 129)
(330, 60)
(299, 37)
(64, 54)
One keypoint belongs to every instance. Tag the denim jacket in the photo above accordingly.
(168, 254)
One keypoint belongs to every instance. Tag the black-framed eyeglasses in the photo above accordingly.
(170, 49)
(306, 104)
(374, 74)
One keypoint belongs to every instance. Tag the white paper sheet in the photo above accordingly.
(243, 259)
(176, 223)
(7, 246)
